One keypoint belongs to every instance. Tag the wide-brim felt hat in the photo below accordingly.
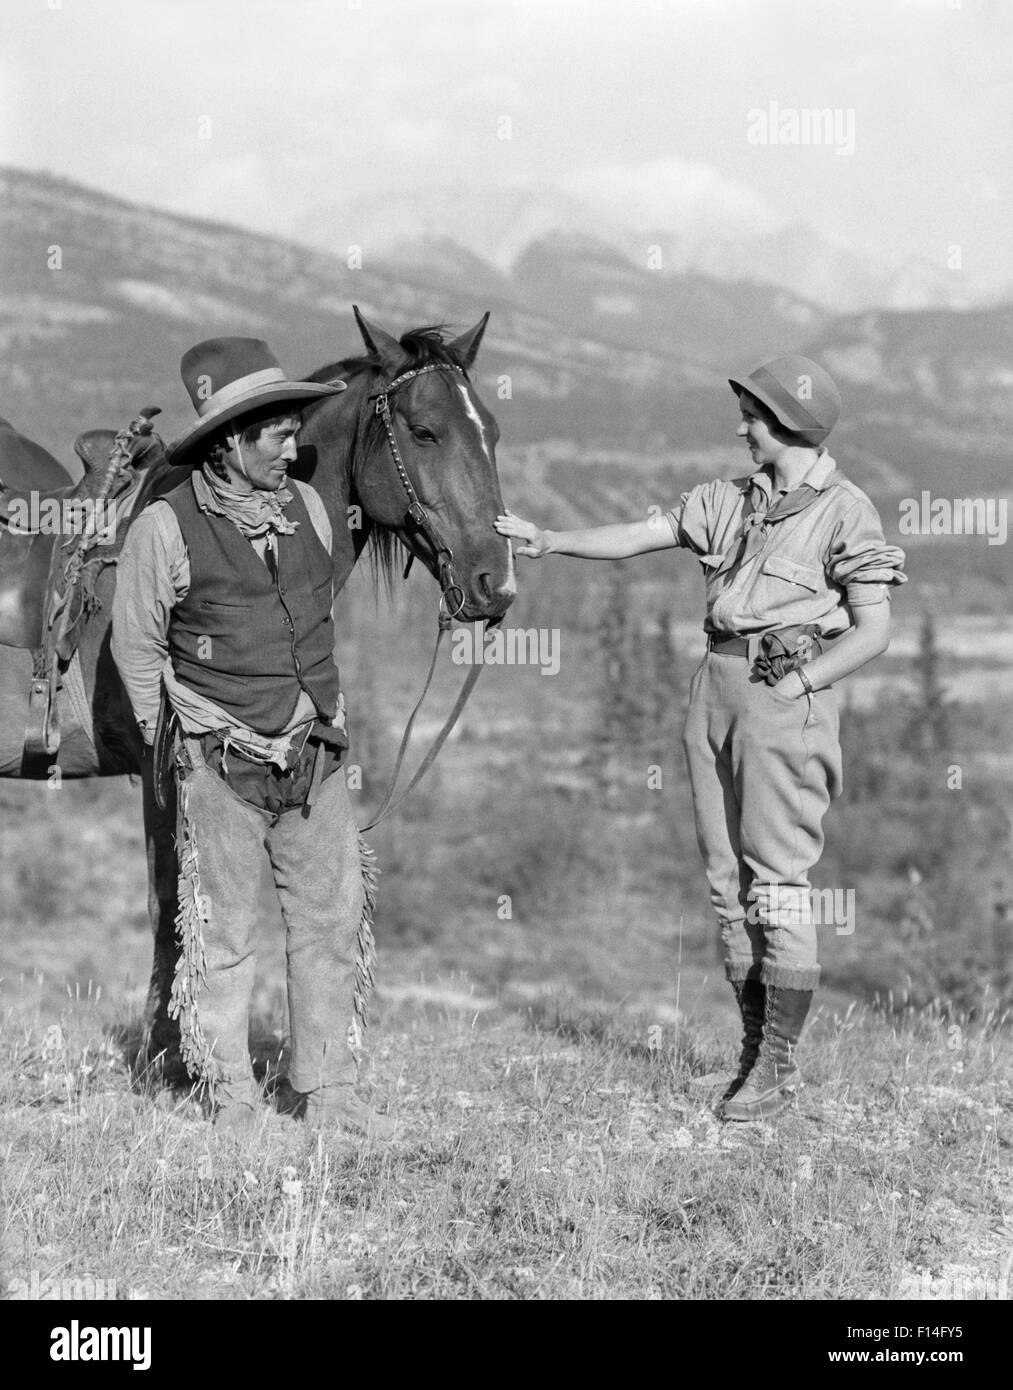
(798, 392)
(229, 377)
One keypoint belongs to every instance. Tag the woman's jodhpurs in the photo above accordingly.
(763, 767)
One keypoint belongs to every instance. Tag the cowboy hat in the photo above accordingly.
(228, 377)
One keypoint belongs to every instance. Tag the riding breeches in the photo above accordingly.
(763, 768)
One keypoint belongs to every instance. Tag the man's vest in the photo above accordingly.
(246, 639)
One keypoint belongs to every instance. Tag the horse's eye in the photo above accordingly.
(422, 435)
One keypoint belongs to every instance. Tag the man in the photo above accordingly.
(797, 579)
(223, 599)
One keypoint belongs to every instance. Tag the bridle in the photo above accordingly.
(417, 519)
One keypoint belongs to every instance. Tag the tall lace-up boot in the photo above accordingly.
(774, 1076)
(749, 995)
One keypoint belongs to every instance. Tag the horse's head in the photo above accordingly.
(437, 430)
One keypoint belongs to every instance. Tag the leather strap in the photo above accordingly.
(162, 750)
(388, 805)
(740, 646)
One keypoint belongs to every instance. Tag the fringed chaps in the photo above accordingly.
(191, 965)
(365, 946)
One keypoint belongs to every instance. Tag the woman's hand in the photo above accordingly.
(536, 542)
(790, 686)
(869, 638)
(617, 541)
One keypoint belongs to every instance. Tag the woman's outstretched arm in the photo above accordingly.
(614, 542)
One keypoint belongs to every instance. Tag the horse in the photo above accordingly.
(409, 436)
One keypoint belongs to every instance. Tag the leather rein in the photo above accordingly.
(452, 600)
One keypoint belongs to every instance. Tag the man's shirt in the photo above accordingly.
(153, 575)
(810, 567)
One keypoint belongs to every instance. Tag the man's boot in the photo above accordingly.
(236, 1100)
(749, 995)
(774, 1074)
(339, 1105)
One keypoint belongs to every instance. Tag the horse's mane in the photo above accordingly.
(423, 346)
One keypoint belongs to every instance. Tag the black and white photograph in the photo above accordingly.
(505, 653)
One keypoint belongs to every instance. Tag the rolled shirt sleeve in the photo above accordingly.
(695, 521)
(153, 575)
(860, 560)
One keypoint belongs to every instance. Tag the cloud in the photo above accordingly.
(403, 136)
(230, 188)
(491, 88)
(672, 192)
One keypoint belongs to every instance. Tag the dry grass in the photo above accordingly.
(549, 1155)
(552, 1141)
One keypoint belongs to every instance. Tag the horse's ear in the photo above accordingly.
(378, 341)
(465, 348)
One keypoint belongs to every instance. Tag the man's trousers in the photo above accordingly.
(763, 769)
(317, 872)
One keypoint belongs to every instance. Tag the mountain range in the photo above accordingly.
(608, 379)
(497, 226)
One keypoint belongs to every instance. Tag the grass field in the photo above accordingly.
(544, 1061)
(557, 1151)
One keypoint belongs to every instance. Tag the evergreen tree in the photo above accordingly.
(929, 730)
(619, 715)
(666, 679)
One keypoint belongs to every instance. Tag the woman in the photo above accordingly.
(798, 577)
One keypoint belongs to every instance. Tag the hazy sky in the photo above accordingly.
(642, 103)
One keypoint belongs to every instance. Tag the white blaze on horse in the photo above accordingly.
(408, 439)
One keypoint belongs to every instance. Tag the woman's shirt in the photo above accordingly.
(812, 566)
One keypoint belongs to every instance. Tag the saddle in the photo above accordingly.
(55, 537)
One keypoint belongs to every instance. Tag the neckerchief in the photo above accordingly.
(255, 513)
(761, 515)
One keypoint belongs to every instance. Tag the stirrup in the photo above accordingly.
(42, 732)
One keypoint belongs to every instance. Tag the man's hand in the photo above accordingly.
(536, 542)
